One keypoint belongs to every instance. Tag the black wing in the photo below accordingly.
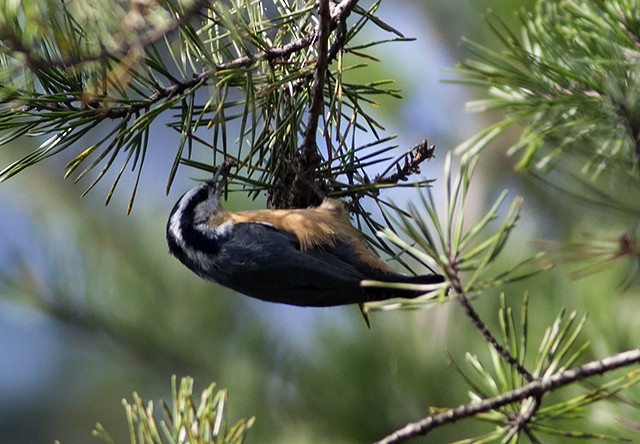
(262, 261)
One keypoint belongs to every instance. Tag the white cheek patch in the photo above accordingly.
(215, 233)
(224, 229)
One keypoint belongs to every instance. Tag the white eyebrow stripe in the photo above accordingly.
(176, 229)
(175, 225)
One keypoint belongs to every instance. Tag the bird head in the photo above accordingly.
(216, 184)
(192, 234)
(198, 204)
(207, 196)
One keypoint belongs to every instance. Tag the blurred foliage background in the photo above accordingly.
(307, 375)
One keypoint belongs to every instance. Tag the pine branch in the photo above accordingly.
(307, 152)
(338, 14)
(573, 96)
(34, 61)
(185, 419)
(536, 389)
(307, 157)
(126, 88)
(482, 327)
(335, 16)
(449, 243)
(412, 161)
(575, 100)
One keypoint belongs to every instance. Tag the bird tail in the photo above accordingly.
(380, 293)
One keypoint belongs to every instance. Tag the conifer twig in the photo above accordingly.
(34, 61)
(482, 327)
(536, 388)
(307, 156)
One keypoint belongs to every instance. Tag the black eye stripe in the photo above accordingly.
(186, 217)
(188, 238)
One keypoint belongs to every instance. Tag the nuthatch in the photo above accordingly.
(306, 257)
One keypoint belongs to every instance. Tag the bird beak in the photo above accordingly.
(217, 183)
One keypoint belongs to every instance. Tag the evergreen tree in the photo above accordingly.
(272, 86)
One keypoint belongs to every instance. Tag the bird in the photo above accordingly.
(309, 257)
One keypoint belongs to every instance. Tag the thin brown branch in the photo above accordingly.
(482, 327)
(302, 188)
(339, 14)
(520, 421)
(412, 160)
(307, 157)
(309, 147)
(338, 45)
(405, 166)
(536, 388)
